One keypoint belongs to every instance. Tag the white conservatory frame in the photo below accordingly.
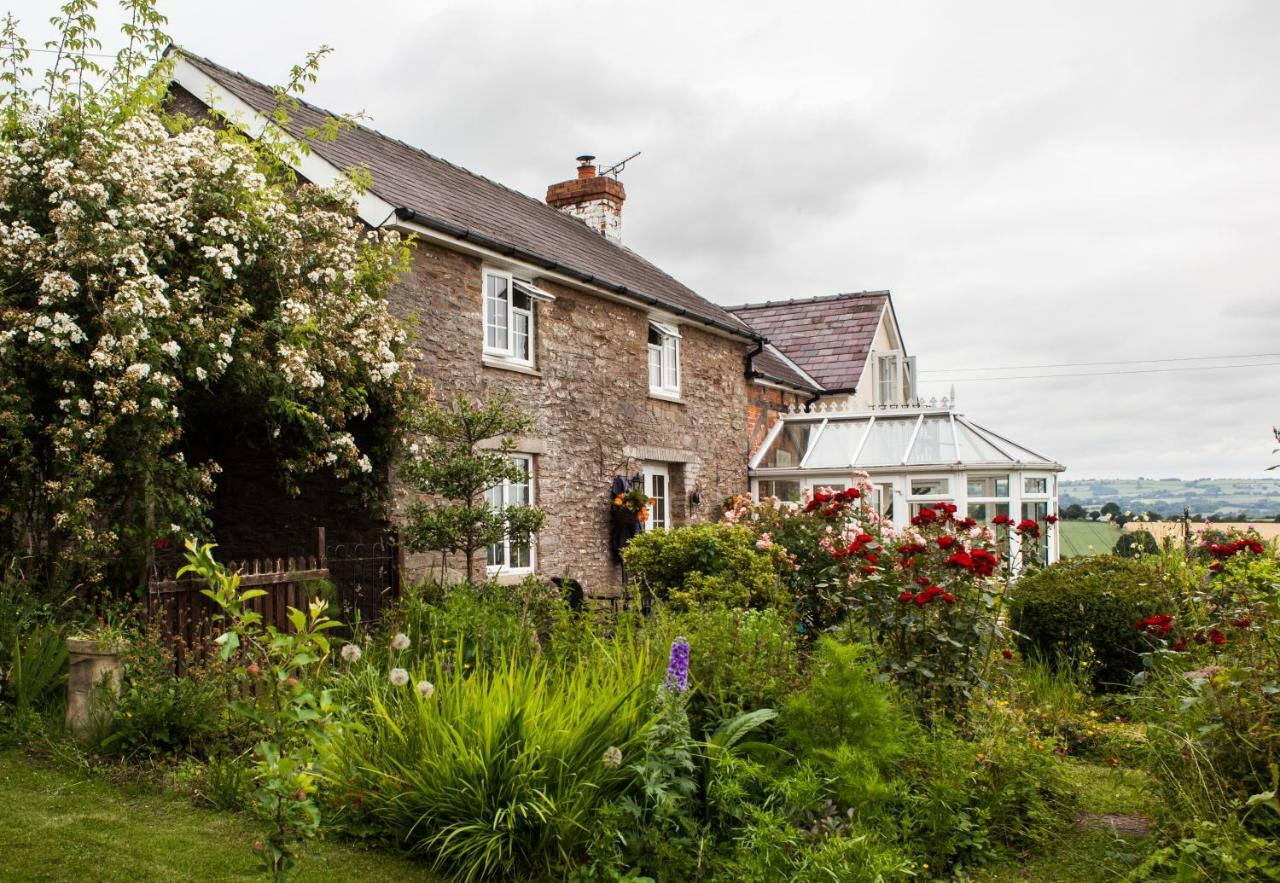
(907, 448)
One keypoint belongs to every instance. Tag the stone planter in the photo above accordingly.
(93, 684)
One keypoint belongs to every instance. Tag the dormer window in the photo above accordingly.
(509, 317)
(664, 359)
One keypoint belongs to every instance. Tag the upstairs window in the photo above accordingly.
(509, 326)
(888, 379)
(664, 358)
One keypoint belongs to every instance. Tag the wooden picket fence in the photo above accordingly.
(186, 615)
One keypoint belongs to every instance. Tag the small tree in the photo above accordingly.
(466, 452)
(1075, 512)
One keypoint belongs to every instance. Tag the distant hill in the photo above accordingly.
(1258, 498)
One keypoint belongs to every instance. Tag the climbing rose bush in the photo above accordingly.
(146, 275)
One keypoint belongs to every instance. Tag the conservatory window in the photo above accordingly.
(664, 358)
(1038, 511)
(889, 379)
(882, 499)
(930, 487)
(789, 447)
(785, 490)
(508, 556)
(935, 443)
(509, 317)
(1035, 486)
(934, 490)
(988, 486)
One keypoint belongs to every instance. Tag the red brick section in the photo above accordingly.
(829, 337)
(764, 407)
(585, 189)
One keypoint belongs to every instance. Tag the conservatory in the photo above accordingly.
(916, 455)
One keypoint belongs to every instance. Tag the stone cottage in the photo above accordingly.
(627, 371)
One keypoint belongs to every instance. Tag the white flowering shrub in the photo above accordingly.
(152, 269)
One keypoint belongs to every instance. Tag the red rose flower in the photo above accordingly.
(1029, 526)
(1052, 519)
(852, 493)
(1007, 654)
(946, 542)
(948, 598)
(967, 523)
(962, 560)
(984, 562)
(922, 580)
(1156, 625)
(1217, 637)
(1002, 518)
(1242, 623)
(1180, 645)
(927, 515)
(906, 596)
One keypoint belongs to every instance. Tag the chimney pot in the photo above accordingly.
(586, 166)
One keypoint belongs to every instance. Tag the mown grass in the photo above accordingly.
(58, 825)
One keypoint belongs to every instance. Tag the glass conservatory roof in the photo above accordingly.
(888, 438)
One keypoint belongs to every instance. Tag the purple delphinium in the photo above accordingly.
(678, 667)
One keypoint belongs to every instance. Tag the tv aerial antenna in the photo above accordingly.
(619, 166)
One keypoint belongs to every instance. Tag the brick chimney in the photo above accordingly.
(591, 198)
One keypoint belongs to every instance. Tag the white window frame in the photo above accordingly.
(915, 500)
(665, 357)
(525, 460)
(898, 359)
(660, 504)
(507, 351)
(987, 500)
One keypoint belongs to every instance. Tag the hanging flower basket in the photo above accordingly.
(630, 507)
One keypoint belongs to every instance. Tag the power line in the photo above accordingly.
(1092, 364)
(1098, 373)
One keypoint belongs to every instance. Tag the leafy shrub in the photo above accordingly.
(971, 799)
(1211, 695)
(1090, 605)
(494, 772)
(487, 621)
(746, 659)
(1133, 544)
(706, 563)
(160, 712)
(844, 707)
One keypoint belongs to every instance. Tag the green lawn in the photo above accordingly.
(1086, 538)
(59, 826)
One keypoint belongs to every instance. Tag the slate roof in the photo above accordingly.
(771, 364)
(451, 199)
(829, 337)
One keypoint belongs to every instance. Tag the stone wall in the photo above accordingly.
(590, 398)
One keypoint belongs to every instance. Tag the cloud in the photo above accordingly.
(1037, 182)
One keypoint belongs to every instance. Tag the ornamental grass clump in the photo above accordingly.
(492, 773)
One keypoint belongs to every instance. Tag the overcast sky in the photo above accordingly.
(1038, 183)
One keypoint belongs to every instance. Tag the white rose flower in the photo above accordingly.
(400, 642)
(398, 677)
(350, 653)
(426, 689)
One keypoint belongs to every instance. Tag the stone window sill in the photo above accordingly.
(666, 397)
(504, 365)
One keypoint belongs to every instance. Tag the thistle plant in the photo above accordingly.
(292, 718)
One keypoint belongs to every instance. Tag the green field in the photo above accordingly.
(1077, 538)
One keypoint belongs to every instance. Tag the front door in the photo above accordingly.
(656, 483)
